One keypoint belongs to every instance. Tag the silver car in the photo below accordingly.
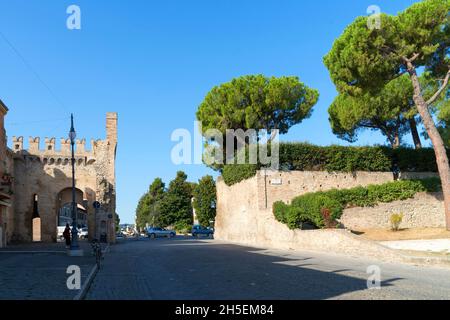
(83, 233)
(160, 233)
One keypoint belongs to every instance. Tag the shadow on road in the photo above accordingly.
(191, 269)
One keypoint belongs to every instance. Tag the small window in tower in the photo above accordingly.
(17, 147)
(49, 148)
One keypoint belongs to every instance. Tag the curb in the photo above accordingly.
(33, 252)
(84, 290)
(87, 284)
(430, 261)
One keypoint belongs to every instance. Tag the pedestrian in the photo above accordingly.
(66, 236)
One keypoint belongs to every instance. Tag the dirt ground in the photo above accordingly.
(404, 234)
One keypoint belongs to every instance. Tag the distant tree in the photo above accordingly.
(176, 206)
(148, 209)
(391, 111)
(365, 59)
(205, 199)
(257, 102)
(443, 116)
(142, 211)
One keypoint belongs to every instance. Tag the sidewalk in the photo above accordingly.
(434, 245)
(38, 271)
(434, 252)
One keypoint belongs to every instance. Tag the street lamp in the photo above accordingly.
(74, 244)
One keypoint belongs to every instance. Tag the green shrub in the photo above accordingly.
(233, 174)
(356, 197)
(280, 211)
(431, 185)
(308, 157)
(396, 220)
(309, 207)
(400, 190)
(329, 221)
(412, 160)
(182, 227)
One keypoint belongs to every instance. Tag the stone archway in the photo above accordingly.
(64, 209)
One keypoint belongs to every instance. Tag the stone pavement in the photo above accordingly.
(38, 271)
(191, 269)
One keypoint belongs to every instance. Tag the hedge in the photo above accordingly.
(308, 157)
(233, 174)
(308, 208)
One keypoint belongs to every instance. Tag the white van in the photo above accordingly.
(60, 233)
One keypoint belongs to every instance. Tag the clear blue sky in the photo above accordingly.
(153, 62)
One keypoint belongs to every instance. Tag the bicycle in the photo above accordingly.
(97, 252)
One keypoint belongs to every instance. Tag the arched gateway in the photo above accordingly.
(64, 212)
(43, 180)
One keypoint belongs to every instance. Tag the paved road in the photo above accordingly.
(189, 269)
(38, 272)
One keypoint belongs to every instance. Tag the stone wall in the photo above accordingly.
(237, 211)
(47, 173)
(424, 211)
(6, 186)
(47, 181)
(285, 186)
(244, 211)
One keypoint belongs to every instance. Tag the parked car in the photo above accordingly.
(198, 231)
(119, 235)
(83, 233)
(160, 233)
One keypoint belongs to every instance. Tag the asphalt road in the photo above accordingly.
(191, 269)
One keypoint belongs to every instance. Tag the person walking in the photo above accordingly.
(66, 235)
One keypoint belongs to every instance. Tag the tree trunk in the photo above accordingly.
(393, 138)
(415, 133)
(396, 143)
(436, 139)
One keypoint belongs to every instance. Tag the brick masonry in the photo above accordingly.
(244, 211)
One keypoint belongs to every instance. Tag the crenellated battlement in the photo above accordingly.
(51, 149)
(33, 145)
(65, 148)
(17, 144)
(81, 146)
(50, 144)
(51, 155)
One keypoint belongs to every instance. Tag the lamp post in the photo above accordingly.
(74, 245)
